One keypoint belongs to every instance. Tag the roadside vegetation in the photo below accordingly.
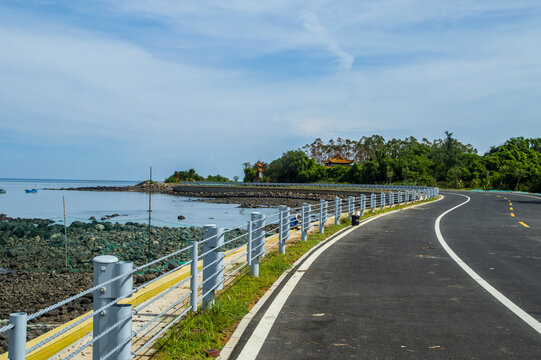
(212, 328)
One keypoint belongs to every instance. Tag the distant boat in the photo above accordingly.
(2, 191)
(31, 190)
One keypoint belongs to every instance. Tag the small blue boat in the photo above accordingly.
(2, 191)
(31, 190)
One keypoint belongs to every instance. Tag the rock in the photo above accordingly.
(100, 227)
(92, 218)
(181, 217)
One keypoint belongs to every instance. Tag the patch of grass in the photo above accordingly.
(210, 329)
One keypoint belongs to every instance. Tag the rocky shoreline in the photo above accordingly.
(33, 253)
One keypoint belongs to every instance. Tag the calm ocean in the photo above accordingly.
(132, 206)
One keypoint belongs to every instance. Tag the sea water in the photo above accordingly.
(131, 206)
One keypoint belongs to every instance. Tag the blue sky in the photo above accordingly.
(103, 89)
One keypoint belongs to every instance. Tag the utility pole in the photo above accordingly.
(65, 233)
(149, 214)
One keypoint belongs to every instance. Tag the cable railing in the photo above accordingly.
(119, 330)
(308, 185)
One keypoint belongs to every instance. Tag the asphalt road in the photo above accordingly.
(388, 290)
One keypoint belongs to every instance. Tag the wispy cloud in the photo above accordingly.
(190, 84)
(311, 23)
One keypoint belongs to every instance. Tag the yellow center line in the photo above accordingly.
(505, 198)
(498, 196)
(510, 208)
(523, 224)
(513, 215)
(510, 204)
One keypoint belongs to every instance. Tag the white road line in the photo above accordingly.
(257, 339)
(527, 318)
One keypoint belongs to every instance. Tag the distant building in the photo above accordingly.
(338, 161)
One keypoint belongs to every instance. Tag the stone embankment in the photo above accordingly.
(245, 196)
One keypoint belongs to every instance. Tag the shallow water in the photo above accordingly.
(132, 206)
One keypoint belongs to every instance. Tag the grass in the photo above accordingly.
(211, 329)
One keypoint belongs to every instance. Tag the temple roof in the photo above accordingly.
(338, 160)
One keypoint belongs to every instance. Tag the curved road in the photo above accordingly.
(389, 290)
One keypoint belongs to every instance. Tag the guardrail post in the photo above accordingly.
(256, 232)
(382, 200)
(283, 228)
(337, 211)
(350, 207)
(322, 215)
(305, 225)
(391, 200)
(406, 197)
(373, 202)
(213, 263)
(17, 336)
(107, 267)
(194, 281)
(362, 205)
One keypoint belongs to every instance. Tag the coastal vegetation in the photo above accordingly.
(446, 163)
(192, 175)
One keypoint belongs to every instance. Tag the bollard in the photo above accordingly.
(213, 263)
(305, 224)
(382, 200)
(17, 336)
(107, 267)
(337, 210)
(194, 281)
(257, 232)
(322, 216)
(283, 228)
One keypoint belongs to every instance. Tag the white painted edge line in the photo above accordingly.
(527, 318)
(255, 342)
(227, 350)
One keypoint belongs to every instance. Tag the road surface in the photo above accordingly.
(390, 290)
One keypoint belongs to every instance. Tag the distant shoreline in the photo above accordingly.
(246, 197)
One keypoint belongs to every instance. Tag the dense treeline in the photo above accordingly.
(448, 163)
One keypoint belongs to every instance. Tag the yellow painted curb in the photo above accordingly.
(84, 328)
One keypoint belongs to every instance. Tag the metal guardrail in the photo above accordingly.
(310, 185)
(213, 261)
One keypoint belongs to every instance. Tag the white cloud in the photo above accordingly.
(312, 23)
(65, 84)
